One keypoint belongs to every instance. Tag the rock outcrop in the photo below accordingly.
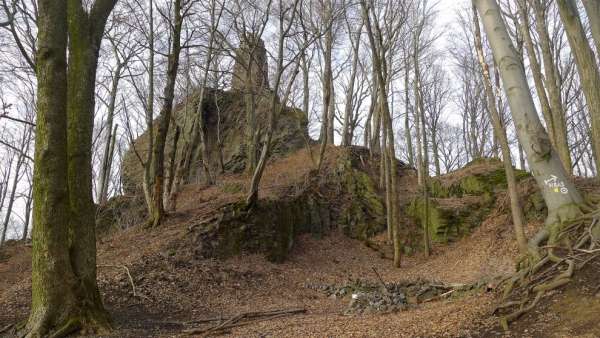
(224, 115)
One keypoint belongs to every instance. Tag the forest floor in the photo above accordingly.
(172, 290)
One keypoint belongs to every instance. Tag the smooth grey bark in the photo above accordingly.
(500, 131)
(559, 192)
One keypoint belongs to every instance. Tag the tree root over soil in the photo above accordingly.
(552, 268)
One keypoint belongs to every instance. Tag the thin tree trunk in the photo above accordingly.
(105, 167)
(327, 86)
(348, 106)
(380, 68)
(586, 66)
(407, 134)
(28, 205)
(11, 198)
(164, 120)
(552, 78)
(424, 156)
(517, 212)
(147, 183)
(592, 8)
(536, 70)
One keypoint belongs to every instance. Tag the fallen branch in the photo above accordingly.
(448, 293)
(381, 280)
(128, 274)
(240, 320)
(6, 328)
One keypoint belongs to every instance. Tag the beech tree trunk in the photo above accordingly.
(559, 192)
(586, 67)
(515, 206)
(65, 295)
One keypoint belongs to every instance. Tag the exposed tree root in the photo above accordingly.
(549, 267)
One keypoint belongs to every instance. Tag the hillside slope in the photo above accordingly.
(175, 282)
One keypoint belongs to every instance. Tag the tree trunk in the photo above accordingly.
(28, 205)
(105, 167)
(65, 295)
(147, 183)
(348, 106)
(424, 156)
(592, 8)
(515, 206)
(558, 191)
(586, 66)
(535, 70)
(327, 86)
(552, 78)
(11, 198)
(380, 70)
(164, 120)
(407, 135)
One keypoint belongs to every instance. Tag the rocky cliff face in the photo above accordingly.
(224, 113)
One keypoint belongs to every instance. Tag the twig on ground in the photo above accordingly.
(380, 279)
(240, 320)
(128, 275)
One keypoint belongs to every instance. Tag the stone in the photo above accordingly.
(250, 72)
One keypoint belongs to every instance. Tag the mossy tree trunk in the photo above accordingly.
(65, 296)
(515, 206)
(559, 192)
(164, 119)
(586, 67)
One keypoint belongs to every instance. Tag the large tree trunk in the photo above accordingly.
(164, 120)
(586, 66)
(515, 206)
(558, 191)
(65, 295)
